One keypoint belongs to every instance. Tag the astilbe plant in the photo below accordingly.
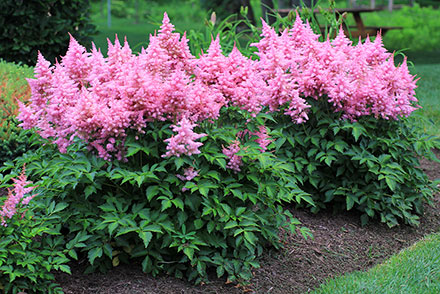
(16, 197)
(29, 247)
(204, 139)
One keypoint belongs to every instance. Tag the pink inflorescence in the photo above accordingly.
(188, 174)
(184, 141)
(16, 197)
(231, 151)
(357, 80)
(99, 99)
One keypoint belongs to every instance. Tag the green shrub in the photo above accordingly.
(370, 165)
(421, 28)
(141, 210)
(121, 9)
(27, 27)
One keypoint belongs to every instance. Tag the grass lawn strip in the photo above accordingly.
(414, 270)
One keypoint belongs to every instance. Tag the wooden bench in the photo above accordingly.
(359, 30)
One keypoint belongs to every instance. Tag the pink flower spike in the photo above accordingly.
(184, 141)
(16, 197)
(234, 160)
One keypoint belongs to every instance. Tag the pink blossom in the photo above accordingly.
(231, 151)
(100, 99)
(184, 141)
(16, 197)
(188, 174)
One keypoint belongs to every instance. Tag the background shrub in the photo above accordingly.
(421, 28)
(27, 27)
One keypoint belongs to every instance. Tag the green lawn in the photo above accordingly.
(184, 15)
(414, 270)
(428, 93)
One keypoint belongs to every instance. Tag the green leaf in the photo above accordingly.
(178, 203)
(356, 133)
(230, 225)
(350, 202)
(153, 228)
(213, 174)
(364, 219)
(198, 224)
(147, 265)
(220, 271)
(178, 161)
(111, 227)
(250, 237)
(189, 252)
(391, 183)
(65, 268)
(146, 237)
(124, 231)
(221, 162)
(89, 190)
(166, 203)
(60, 206)
(204, 191)
(94, 253)
(72, 253)
(210, 227)
(152, 191)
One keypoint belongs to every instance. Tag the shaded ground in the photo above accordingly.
(340, 245)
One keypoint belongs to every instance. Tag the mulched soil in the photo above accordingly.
(340, 245)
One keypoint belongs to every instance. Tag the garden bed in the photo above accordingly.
(340, 245)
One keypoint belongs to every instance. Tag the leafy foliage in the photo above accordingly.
(370, 165)
(188, 208)
(31, 246)
(142, 209)
(421, 29)
(27, 27)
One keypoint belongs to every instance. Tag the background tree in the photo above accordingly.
(27, 27)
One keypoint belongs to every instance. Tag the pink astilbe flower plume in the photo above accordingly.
(16, 197)
(188, 174)
(184, 141)
(99, 99)
(231, 151)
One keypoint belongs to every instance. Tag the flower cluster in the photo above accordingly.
(99, 99)
(231, 151)
(184, 141)
(188, 174)
(358, 80)
(16, 197)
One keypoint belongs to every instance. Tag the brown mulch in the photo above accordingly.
(340, 245)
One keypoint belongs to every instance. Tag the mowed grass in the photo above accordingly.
(427, 68)
(414, 270)
(184, 15)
